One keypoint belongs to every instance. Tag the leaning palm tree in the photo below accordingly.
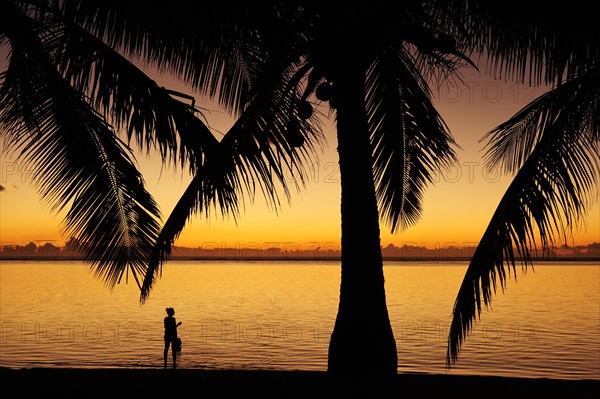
(551, 145)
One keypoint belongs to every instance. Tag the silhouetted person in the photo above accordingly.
(171, 335)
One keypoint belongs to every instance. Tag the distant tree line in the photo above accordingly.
(213, 251)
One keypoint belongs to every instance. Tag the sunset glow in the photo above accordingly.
(456, 209)
(344, 198)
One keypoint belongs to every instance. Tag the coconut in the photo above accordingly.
(305, 110)
(324, 91)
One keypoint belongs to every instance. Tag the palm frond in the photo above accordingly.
(125, 95)
(546, 46)
(198, 196)
(510, 144)
(218, 51)
(258, 153)
(409, 138)
(78, 160)
(118, 89)
(550, 193)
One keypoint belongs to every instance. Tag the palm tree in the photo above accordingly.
(551, 145)
(256, 60)
(390, 141)
(380, 170)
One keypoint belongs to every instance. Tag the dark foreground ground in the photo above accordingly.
(151, 383)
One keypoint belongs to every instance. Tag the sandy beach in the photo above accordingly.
(67, 382)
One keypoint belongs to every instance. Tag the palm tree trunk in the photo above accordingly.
(362, 340)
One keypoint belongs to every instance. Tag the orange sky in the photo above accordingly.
(456, 210)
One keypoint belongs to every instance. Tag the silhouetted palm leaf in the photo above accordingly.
(256, 153)
(125, 95)
(554, 144)
(548, 45)
(409, 138)
(215, 49)
(131, 99)
(78, 159)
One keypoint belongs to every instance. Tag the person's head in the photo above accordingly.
(170, 311)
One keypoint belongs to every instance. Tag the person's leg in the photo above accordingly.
(174, 355)
(166, 352)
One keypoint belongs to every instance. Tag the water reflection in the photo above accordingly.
(267, 315)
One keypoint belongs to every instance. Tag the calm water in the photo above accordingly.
(278, 315)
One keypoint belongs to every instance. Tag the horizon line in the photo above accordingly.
(590, 258)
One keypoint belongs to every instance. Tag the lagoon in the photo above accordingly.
(278, 315)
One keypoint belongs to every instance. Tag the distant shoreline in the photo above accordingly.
(311, 259)
(291, 252)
